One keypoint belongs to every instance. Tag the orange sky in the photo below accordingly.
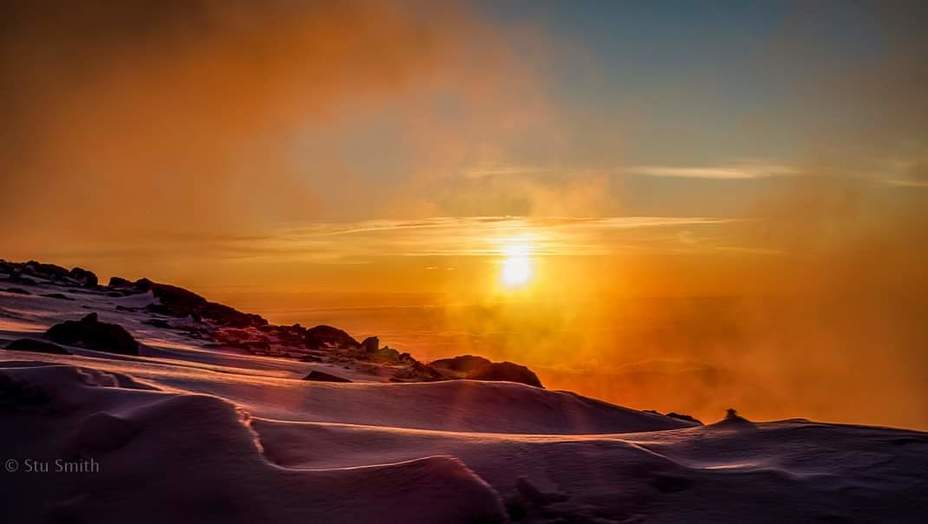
(710, 208)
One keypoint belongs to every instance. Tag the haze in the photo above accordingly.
(685, 206)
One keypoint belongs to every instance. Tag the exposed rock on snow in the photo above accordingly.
(142, 305)
(214, 421)
(90, 333)
(460, 366)
(50, 272)
(506, 371)
(321, 376)
(178, 302)
(479, 368)
(319, 337)
(370, 344)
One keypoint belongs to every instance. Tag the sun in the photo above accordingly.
(517, 270)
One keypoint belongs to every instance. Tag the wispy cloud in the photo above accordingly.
(482, 236)
(720, 172)
(503, 170)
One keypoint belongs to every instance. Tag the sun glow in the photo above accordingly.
(517, 268)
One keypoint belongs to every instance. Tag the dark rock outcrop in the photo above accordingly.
(37, 346)
(178, 302)
(90, 333)
(733, 420)
(20, 273)
(460, 366)
(58, 274)
(508, 372)
(83, 277)
(370, 344)
(478, 368)
(224, 326)
(320, 376)
(417, 372)
(121, 283)
(16, 278)
(681, 416)
(48, 271)
(323, 336)
(385, 354)
(678, 416)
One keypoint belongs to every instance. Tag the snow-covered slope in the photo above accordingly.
(193, 431)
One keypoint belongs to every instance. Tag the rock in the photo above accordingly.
(322, 336)
(90, 333)
(417, 372)
(119, 282)
(731, 414)
(179, 302)
(508, 372)
(17, 290)
(680, 416)
(36, 346)
(384, 354)
(51, 272)
(370, 344)
(19, 279)
(461, 366)
(84, 277)
(478, 368)
(47, 271)
(320, 376)
(733, 420)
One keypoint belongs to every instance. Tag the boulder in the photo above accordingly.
(384, 354)
(90, 333)
(36, 346)
(473, 367)
(178, 302)
(48, 271)
(322, 336)
(508, 372)
(19, 279)
(119, 282)
(681, 416)
(370, 344)
(320, 376)
(460, 366)
(84, 277)
(417, 372)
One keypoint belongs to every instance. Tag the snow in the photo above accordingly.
(187, 432)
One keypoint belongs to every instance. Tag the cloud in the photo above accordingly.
(722, 172)
(369, 240)
(231, 117)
